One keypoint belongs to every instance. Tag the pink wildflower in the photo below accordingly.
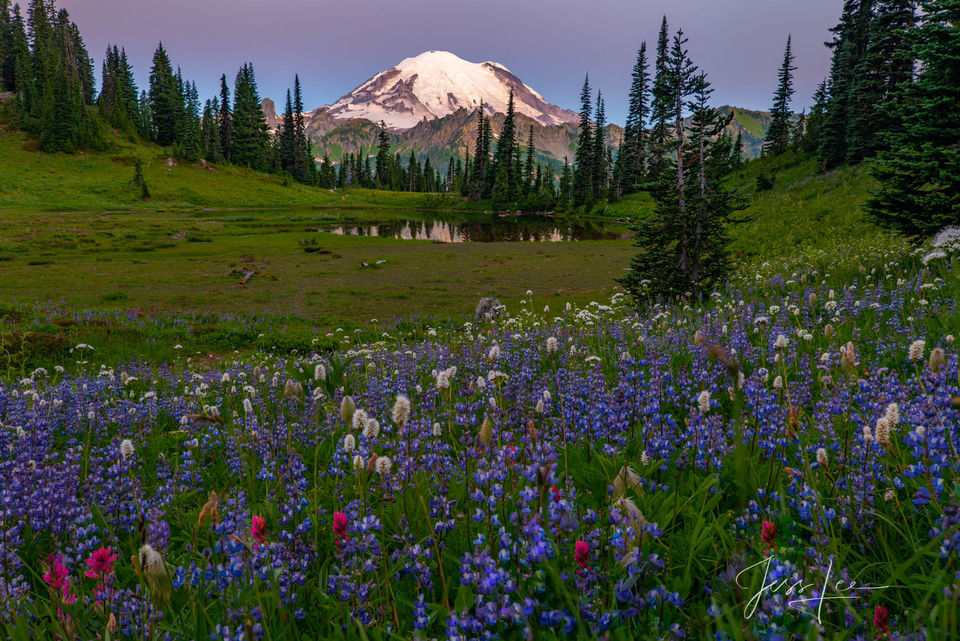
(101, 565)
(340, 525)
(581, 554)
(57, 579)
(259, 529)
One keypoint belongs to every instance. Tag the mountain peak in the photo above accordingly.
(437, 83)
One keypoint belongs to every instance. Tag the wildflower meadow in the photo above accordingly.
(778, 461)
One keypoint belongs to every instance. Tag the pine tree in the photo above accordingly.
(145, 125)
(813, 126)
(191, 140)
(583, 165)
(224, 120)
(778, 133)
(849, 43)
(285, 138)
(139, 181)
(632, 155)
(565, 190)
(304, 169)
(481, 157)
(674, 257)
(210, 133)
(6, 49)
(920, 173)
(165, 102)
(659, 108)
(384, 179)
(505, 160)
(600, 152)
(250, 136)
(528, 168)
(883, 67)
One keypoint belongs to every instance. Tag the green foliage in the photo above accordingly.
(920, 174)
(778, 134)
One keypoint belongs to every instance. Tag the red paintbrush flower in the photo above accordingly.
(881, 617)
(259, 529)
(581, 554)
(101, 564)
(340, 524)
(768, 533)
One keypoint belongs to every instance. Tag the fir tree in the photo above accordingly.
(165, 100)
(583, 167)
(632, 155)
(505, 185)
(528, 168)
(210, 133)
(191, 140)
(139, 181)
(849, 43)
(778, 133)
(883, 67)
(600, 152)
(249, 126)
(814, 122)
(659, 107)
(286, 138)
(565, 190)
(224, 121)
(384, 179)
(920, 173)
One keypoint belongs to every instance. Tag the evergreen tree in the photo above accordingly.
(920, 173)
(583, 165)
(6, 48)
(224, 120)
(250, 135)
(481, 156)
(778, 133)
(813, 126)
(737, 151)
(600, 152)
(849, 43)
(165, 101)
(505, 160)
(191, 139)
(565, 190)
(632, 155)
(384, 158)
(145, 125)
(286, 138)
(210, 133)
(304, 167)
(885, 64)
(139, 181)
(528, 168)
(659, 107)
(17, 65)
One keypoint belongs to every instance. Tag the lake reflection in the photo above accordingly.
(515, 229)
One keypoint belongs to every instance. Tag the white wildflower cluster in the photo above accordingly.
(946, 242)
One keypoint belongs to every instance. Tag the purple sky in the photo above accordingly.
(335, 46)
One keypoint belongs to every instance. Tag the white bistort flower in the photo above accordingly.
(704, 401)
(916, 350)
(126, 449)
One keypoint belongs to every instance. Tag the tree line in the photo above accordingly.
(891, 98)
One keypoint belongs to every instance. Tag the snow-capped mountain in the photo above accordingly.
(436, 84)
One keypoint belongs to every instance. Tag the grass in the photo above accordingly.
(32, 181)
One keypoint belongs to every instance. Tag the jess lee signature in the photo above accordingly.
(843, 590)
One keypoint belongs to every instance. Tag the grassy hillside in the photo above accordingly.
(804, 214)
(35, 181)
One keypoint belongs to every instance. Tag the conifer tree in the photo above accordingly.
(507, 165)
(481, 156)
(384, 158)
(249, 126)
(285, 138)
(600, 152)
(849, 43)
(565, 190)
(659, 107)
(224, 120)
(778, 133)
(528, 168)
(885, 64)
(165, 101)
(6, 49)
(814, 122)
(191, 140)
(583, 165)
(920, 172)
(209, 131)
(632, 155)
